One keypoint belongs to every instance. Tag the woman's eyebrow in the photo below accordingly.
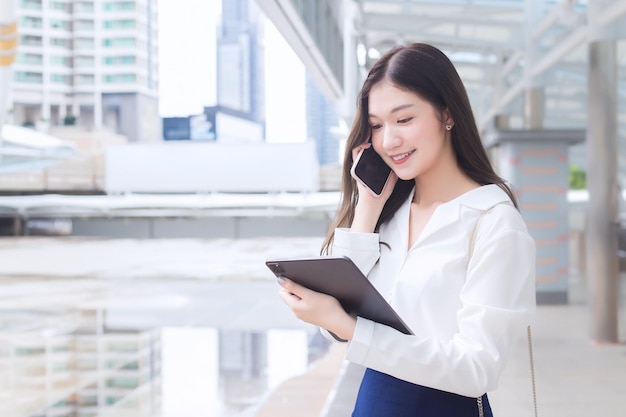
(401, 107)
(396, 109)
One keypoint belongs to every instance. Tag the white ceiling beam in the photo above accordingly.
(616, 10)
(448, 41)
(510, 64)
(546, 24)
(415, 19)
(501, 5)
(576, 38)
(565, 6)
(289, 24)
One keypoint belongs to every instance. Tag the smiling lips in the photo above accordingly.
(401, 158)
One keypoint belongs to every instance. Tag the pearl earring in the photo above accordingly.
(448, 127)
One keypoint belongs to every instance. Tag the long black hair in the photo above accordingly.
(426, 71)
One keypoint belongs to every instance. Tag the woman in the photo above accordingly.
(444, 243)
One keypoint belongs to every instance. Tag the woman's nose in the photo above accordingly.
(390, 138)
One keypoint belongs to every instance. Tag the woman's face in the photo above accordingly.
(407, 131)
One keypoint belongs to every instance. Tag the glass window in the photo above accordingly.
(59, 78)
(118, 42)
(60, 24)
(30, 40)
(119, 60)
(29, 59)
(120, 382)
(57, 5)
(31, 22)
(60, 42)
(84, 61)
(120, 5)
(84, 6)
(88, 400)
(84, 43)
(84, 79)
(24, 351)
(30, 4)
(84, 24)
(60, 60)
(119, 24)
(121, 79)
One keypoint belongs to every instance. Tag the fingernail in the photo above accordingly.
(280, 280)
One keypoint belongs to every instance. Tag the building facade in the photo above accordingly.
(216, 124)
(239, 115)
(71, 364)
(322, 124)
(92, 63)
(240, 59)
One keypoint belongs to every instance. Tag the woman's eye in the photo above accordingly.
(375, 127)
(405, 120)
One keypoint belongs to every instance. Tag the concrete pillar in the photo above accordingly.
(75, 108)
(533, 108)
(97, 110)
(535, 162)
(45, 112)
(502, 121)
(18, 226)
(603, 205)
(533, 111)
(602, 257)
(62, 111)
(44, 121)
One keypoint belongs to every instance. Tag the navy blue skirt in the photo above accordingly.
(381, 395)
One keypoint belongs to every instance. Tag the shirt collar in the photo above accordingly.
(481, 198)
(484, 197)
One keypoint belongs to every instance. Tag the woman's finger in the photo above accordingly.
(355, 151)
(288, 298)
(293, 287)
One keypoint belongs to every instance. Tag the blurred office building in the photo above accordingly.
(239, 115)
(72, 364)
(215, 123)
(322, 121)
(240, 63)
(242, 367)
(88, 63)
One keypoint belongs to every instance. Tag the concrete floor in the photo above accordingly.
(224, 284)
(212, 302)
(574, 378)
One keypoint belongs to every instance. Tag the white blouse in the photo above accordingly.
(465, 303)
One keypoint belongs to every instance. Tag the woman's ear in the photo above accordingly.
(447, 118)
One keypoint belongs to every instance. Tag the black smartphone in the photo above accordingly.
(370, 169)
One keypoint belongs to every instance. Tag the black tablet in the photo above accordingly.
(342, 279)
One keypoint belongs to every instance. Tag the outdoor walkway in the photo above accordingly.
(574, 377)
(196, 277)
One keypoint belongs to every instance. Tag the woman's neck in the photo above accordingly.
(436, 188)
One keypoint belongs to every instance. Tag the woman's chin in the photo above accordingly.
(404, 176)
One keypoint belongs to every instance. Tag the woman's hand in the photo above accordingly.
(316, 308)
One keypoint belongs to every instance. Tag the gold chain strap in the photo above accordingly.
(532, 368)
(481, 413)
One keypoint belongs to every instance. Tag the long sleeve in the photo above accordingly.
(362, 248)
(496, 302)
